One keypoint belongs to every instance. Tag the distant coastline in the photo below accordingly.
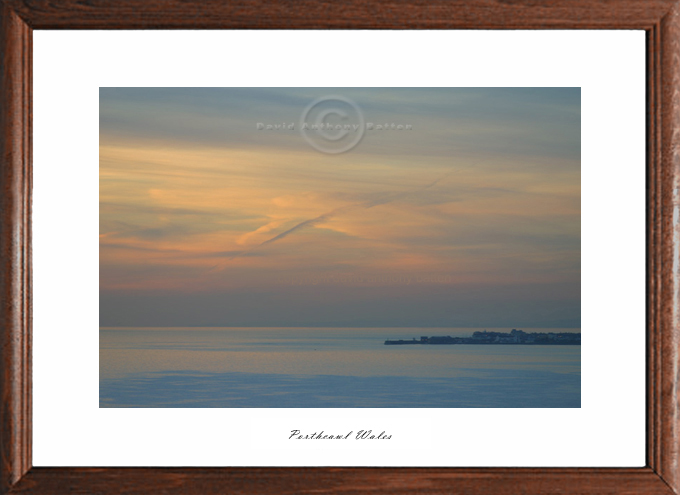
(514, 337)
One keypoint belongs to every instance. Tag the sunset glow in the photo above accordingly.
(470, 218)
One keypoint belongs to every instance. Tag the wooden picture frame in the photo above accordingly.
(660, 19)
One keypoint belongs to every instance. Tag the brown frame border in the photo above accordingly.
(661, 21)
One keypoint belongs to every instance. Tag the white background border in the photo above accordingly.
(70, 66)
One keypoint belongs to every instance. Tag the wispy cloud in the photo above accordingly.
(383, 200)
(260, 230)
(485, 190)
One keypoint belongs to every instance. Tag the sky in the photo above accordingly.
(469, 219)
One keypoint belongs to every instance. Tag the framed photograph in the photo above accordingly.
(332, 228)
(339, 274)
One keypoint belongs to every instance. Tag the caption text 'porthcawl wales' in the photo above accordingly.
(360, 435)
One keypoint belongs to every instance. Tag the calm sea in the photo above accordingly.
(328, 367)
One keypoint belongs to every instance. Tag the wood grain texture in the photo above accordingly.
(655, 310)
(659, 18)
(669, 225)
(346, 481)
(15, 260)
(328, 14)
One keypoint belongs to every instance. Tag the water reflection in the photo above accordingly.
(327, 368)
